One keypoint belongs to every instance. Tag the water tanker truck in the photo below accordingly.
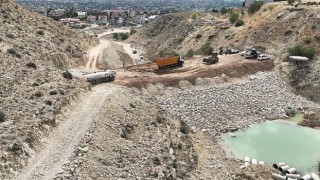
(164, 63)
(98, 77)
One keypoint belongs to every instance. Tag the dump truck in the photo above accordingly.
(169, 62)
(213, 59)
(98, 77)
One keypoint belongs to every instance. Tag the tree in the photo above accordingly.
(214, 10)
(233, 17)
(2, 116)
(132, 31)
(124, 36)
(299, 50)
(290, 1)
(207, 48)
(224, 10)
(115, 36)
(239, 22)
(194, 15)
(254, 7)
(190, 53)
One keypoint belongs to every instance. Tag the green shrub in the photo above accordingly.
(224, 10)
(11, 51)
(307, 41)
(206, 48)
(10, 36)
(115, 36)
(48, 102)
(290, 1)
(124, 36)
(254, 7)
(233, 17)
(194, 15)
(67, 75)
(198, 36)
(2, 116)
(239, 22)
(190, 53)
(132, 31)
(180, 40)
(299, 50)
(40, 32)
(184, 127)
(31, 65)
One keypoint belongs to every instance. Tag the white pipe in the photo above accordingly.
(291, 171)
(306, 177)
(261, 162)
(247, 164)
(284, 168)
(276, 166)
(246, 159)
(293, 176)
(315, 176)
(278, 177)
(254, 161)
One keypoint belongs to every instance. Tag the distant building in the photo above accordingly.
(102, 20)
(57, 13)
(82, 15)
(248, 2)
(91, 19)
(140, 19)
(71, 22)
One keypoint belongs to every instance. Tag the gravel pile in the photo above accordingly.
(230, 107)
(131, 139)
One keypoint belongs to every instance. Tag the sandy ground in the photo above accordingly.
(128, 50)
(96, 55)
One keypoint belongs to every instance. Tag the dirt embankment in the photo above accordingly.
(193, 71)
(34, 51)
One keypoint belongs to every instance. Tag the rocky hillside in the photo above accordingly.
(164, 34)
(34, 50)
(273, 29)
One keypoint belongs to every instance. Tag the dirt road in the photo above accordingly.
(96, 54)
(65, 138)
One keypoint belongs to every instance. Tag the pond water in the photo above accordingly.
(296, 118)
(278, 141)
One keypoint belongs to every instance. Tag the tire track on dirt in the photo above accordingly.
(64, 139)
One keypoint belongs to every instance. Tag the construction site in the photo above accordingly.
(101, 108)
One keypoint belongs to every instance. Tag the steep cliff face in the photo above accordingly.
(34, 50)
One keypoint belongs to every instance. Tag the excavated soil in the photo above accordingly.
(230, 65)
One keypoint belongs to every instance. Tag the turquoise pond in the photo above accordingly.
(277, 141)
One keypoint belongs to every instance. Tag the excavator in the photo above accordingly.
(213, 59)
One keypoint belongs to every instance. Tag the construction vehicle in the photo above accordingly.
(164, 63)
(213, 59)
(98, 77)
(253, 53)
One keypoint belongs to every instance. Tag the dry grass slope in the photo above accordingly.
(33, 52)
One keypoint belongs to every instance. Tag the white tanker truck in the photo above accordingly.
(99, 77)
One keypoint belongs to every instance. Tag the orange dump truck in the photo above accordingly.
(170, 62)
